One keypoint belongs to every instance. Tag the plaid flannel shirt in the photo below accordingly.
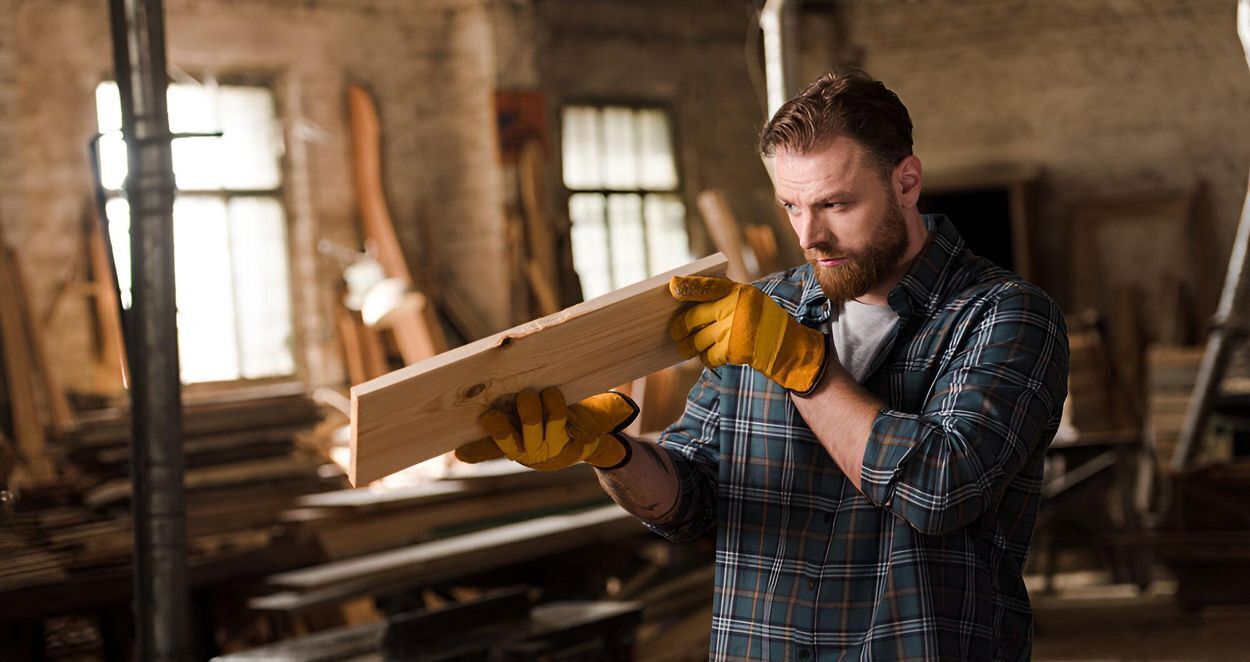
(926, 562)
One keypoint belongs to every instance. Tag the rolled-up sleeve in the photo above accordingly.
(998, 399)
(693, 444)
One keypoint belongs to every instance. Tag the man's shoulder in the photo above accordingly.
(982, 285)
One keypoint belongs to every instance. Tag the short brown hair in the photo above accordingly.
(849, 103)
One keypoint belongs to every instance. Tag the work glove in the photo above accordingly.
(553, 436)
(736, 323)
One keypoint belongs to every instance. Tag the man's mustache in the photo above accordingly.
(824, 254)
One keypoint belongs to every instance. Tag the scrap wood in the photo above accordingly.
(425, 410)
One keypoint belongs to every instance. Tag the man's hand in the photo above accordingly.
(553, 436)
(736, 323)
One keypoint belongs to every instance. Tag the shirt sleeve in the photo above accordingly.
(693, 444)
(990, 409)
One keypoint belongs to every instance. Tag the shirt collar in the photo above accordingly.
(919, 290)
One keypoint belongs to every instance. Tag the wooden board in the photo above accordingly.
(723, 229)
(427, 409)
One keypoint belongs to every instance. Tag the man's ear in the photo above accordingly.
(906, 180)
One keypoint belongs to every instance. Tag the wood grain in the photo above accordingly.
(424, 410)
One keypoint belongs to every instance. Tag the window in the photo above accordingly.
(625, 202)
(230, 246)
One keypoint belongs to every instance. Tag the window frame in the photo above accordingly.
(600, 103)
(272, 84)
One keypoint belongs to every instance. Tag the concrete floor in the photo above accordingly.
(1088, 620)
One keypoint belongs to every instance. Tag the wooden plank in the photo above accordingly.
(63, 420)
(27, 428)
(422, 411)
(442, 559)
(541, 269)
(344, 537)
(112, 370)
(723, 229)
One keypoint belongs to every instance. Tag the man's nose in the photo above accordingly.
(810, 232)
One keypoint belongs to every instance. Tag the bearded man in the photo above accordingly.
(869, 437)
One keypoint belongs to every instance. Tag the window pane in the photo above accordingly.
(667, 244)
(620, 145)
(258, 247)
(108, 107)
(590, 244)
(580, 147)
(118, 212)
(629, 260)
(207, 344)
(251, 138)
(199, 163)
(112, 160)
(657, 169)
(192, 108)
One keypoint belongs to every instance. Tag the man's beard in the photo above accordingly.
(862, 271)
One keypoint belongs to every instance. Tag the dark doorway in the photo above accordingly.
(983, 218)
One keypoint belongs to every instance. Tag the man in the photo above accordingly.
(868, 440)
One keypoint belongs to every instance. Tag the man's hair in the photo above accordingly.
(849, 103)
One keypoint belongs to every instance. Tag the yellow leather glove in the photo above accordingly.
(736, 323)
(553, 436)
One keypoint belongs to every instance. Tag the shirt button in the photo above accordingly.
(811, 583)
(828, 518)
(805, 653)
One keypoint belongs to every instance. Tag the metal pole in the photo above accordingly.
(156, 460)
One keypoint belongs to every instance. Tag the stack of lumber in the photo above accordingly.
(245, 467)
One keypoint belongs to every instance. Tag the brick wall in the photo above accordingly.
(10, 207)
(1110, 97)
(428, 62)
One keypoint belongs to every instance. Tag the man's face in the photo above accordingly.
(845, 215)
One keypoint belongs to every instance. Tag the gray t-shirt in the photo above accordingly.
(857, 332)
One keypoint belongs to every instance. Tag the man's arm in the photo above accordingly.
(647, 485)
(671, 486)
(840, 413)
(998, 397)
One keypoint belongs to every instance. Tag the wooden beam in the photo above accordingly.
(424, 410)
(723, 229)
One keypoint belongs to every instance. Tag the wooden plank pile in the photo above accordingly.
(245, 466)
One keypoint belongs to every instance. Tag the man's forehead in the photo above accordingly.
(839, 161)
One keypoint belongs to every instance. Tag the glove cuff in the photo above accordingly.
(801, 361)
(628, 454)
